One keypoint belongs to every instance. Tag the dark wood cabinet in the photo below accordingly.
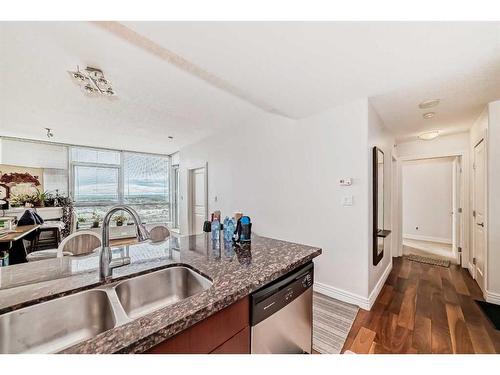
(238, 344)
(225, 332)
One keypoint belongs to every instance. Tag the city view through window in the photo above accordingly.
(103, 178)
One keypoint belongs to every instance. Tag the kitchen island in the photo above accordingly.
(234, 272)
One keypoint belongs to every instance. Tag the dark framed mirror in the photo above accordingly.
(379, 233)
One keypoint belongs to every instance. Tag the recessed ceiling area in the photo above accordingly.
(189, 80)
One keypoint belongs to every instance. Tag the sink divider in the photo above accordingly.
(120, 315)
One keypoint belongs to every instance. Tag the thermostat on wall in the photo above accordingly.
(345, 181)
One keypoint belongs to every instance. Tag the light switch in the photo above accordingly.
(347, 200)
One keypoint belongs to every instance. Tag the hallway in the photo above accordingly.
(424, 309)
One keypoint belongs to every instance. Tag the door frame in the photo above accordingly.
(397, 232)
(484, 139)
(457, 230)
(191, 192)
(175, 197)
(464, 193)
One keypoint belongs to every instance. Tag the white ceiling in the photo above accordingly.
(190, 79)
(154, 99)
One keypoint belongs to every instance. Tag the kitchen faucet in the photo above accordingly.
(107, 263)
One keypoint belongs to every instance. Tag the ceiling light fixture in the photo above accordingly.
(428, 103)
(92, 81)
(427, 136)
(428, 115)
(49, 133)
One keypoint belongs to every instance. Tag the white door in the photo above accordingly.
(479, 214)
(456, 213)
(198, 212)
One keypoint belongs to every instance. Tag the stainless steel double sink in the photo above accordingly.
(57, 324)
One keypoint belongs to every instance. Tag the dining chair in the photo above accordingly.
(52, 227)
(159, 233)
(78, 243)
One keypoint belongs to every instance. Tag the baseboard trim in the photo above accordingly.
(380, 284)
(342, 295)
(492, 297)
(427, 238)
(470, 268)
(355, 299)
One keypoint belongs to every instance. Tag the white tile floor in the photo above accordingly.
(428, 248)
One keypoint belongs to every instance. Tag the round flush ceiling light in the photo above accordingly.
(427, 136)
(428, 115)
(428, 103)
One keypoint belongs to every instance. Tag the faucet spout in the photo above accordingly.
(106, 262)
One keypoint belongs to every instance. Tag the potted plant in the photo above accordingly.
(66, 204)
(119, 220)
(39, 198)
(80, 220)
(23, 200)
(96, 219)
(49, 200)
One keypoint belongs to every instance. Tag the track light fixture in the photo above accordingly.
(49, 133)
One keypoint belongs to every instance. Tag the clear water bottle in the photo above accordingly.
(215, 229)
(226, 223)
(231, 228)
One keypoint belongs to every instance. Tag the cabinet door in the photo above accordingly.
(210, 333)
(238, 344)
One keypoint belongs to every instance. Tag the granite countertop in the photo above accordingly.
(235, 272)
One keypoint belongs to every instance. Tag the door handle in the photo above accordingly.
(481, 224)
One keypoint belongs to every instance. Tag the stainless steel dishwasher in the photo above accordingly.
(281, 314)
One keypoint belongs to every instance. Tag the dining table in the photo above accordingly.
(12, 242)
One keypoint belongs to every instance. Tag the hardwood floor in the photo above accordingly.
(424, 309)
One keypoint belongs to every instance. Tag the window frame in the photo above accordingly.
(174, 199)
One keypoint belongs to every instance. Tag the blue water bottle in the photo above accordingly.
(244, 229)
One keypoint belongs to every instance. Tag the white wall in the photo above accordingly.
(34, 155)
(284, 174)
(51, 157)
(488, 126)
(427, 199)
(446, 144)
(478, 130)
(493, 224)
(380, 137)
(174, 158)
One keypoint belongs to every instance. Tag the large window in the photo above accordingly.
(103, 178)
(145, 178)
(95, 184)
